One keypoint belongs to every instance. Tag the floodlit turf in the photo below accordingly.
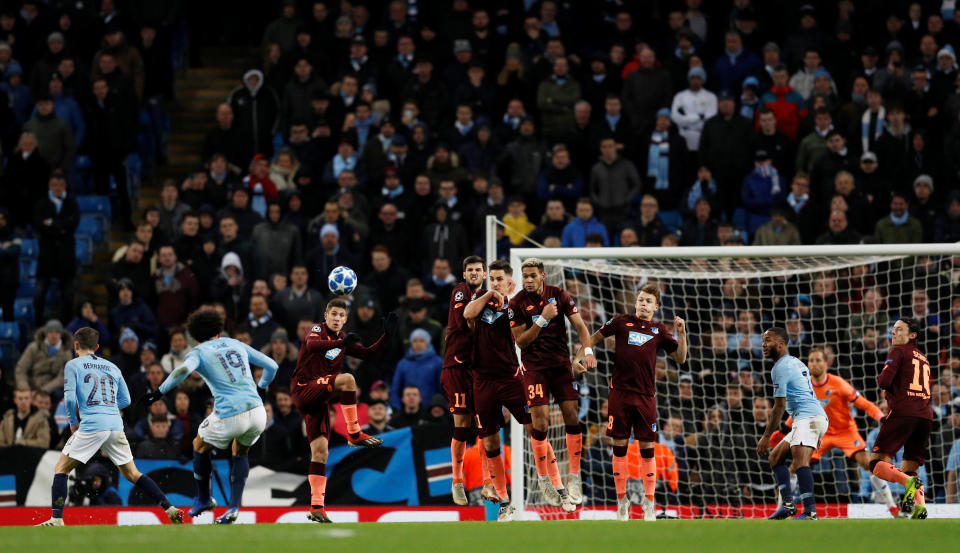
(714, 536)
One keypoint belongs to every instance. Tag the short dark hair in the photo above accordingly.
(87, 337)
(502, 265)
(471, 259)
(204, 324)
(779, 332)
(913, 325)
(335, 302)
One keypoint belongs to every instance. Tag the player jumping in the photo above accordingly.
(835, 395)
(317, 382)
(96, 387)
(906, 380)
(457, 375)
(238, 416)
(498, 381)
(793, 393)
(546, 371)
(633, 392)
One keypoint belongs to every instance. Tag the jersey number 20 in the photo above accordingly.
(105, 382)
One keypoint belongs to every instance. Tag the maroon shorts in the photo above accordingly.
(540, 385)
(632, 413)
(491, 396)
(910, 433)
(457, 385)
(312, 399)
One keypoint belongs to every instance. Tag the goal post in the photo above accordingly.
(843, 298)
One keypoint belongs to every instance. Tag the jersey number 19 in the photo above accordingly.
(232, 359)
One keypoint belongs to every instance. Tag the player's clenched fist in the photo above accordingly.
(680, 325)
(549, 311)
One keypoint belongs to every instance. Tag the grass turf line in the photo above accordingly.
(715, 536)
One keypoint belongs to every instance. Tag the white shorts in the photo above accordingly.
(84, 445)
(245, 428)
(807, 431)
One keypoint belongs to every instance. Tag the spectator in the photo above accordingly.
(128, 356)
(778, 231)
(298, 301)
(948, 224)
(411, 411)
(650, 229)
(838, 230)
(256, 110)
(692, 107)
(110, 139)
(872, 313)
(923, 205)
(787, 104)
(176, 290)
(276, 243)
(552, 223)
(701, 229)
(157, 441)
(285, 354)
(725, 147)
(18, 93)
(735, 64)
(25, 425)
(189, 419)
(27, 167)
(802, 81)
(556, 97)
(646, 90)
(664, 157)
(781, 149)
(133, 266)
(131, 312)
(385, 277)
(66, 107)
(575, 232)
(419, 368)
(55, 218)
(417, 316)
(899, 227)
(171, 209)
(59, 148)
(40, 366)
(178, 351)
(142, 383)
(518, 226)
(834, 159)
(378, 423)
(615, 182)
(560, 180)
(260, 322)
(521, 160)
(225, 139)
(86, 316)
(762, 189)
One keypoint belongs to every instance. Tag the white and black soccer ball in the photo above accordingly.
(342, 280)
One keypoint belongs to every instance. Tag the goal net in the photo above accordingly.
(714, 407)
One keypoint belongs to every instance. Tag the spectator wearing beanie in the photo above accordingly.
(419, 367)
(692, 107)
(762, 189)
(40, 367)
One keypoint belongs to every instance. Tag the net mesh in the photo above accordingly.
(710, 414)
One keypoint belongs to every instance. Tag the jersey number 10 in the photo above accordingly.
(232, 359)
(105, 382)
(915, 385)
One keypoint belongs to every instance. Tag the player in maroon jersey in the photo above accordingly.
(497, 379)
(905, 380)
(457, 376)
(633, 401)
(317, 381)
(540, 331)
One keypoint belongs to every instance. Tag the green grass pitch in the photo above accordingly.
(714, 536)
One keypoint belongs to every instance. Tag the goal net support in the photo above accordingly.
(714, 407)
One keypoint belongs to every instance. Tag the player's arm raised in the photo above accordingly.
(178, 375)
(870, 407)
(475, 307)
(356, 349)
(525, 335)
(680, 355)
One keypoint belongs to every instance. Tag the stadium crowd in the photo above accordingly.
(378, 135)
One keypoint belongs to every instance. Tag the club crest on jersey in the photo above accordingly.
(316, 328)
(653, 427)
(458, 296)
(655, 330)
(489, 316)
(537, 318)
(332, 353)
(824, 402)
(829, 392)
(638, 339)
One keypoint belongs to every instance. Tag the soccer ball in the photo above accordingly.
(342, 281)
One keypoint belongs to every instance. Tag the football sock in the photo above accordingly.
(880, 487)
(318, 484)
(620, 470)
(150, 487)
(59, 494)
(574, 447)
(201, 473)
(540, 456)
(889, 473)
(553, 469)
(805, 483)
(484, 468)
(238, 479)
(781, 473)
(348, 402)
(648, 470)
(495, 463)
(457, 449)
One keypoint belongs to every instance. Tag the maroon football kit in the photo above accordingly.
(906, 380)
(457, 375)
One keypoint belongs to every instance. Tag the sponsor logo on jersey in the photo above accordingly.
(574, 310)
(537, 318)
(824, 402)
(458, 306)
(332, 353)
(489, 316)
(629, 324)
(316, 328)
(458, 296)
(638, 338)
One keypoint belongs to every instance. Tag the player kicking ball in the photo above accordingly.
(633, 392)
(317, 382)
(238, 416)
(539, 328)
(835, 396)
(906, 380)
(793, 393)
(95, 386)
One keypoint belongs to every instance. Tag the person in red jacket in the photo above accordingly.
(262, 189)
(785, 102)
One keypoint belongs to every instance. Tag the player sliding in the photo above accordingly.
(96, 387)
(457, 376)
(317, 382)
(540, 331)
(793, 393)
(238, 416)
(633, 392)
(497, 380)
(906, 380)
(835, 395)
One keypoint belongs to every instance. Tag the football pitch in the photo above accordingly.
(715, 536)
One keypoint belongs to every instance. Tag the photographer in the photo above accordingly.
(94, 487)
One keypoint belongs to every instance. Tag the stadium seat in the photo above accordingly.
(90, 226)
(95, 205)
(10, 332)
(23, 309)
(27, 286)
(28, 268)
(671, 219)
(84, 250)
(29, 248)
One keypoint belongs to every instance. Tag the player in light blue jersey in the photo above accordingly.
(238, 416)
(95, 387)
(793, 393)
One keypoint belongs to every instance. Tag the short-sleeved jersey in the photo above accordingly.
(550, 348)
(906, 379)
(791, 380)
(459, 340)
(494, 350)
(835, 396)
(95, 387)
(635, 362)
(322, 353)
(224, 364)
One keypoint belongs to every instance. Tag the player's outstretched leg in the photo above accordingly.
(620, 474)
(58, 494)
(348, 403)
(919, 508)
(149, 487)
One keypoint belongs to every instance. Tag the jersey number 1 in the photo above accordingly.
(915, 385)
